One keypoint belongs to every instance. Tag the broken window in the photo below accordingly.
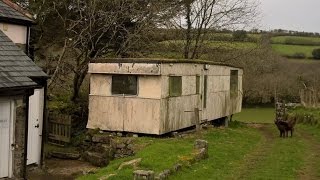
(175, 86)
(124, 84)
(234, 83)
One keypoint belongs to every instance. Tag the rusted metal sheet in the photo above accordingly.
(124, 68)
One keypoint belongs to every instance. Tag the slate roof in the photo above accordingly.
(11, 11)
(16, 68)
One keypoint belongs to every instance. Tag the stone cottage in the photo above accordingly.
(22, 94)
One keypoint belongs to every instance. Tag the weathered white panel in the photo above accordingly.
(105, 113)
(217, 106)
(175, 113)
(186, 69)
(141, 115)
(36, 103)
(165, 86)
(5, 121)
(100, 84)
(17, 33)
(149, 87)
(188, 85)
(124, 68)
(124, 114)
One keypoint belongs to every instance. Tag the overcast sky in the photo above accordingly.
(301, 15)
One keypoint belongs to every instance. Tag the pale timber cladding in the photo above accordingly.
(153, 110)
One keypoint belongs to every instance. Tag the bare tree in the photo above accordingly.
(201, 16)
(96, 28)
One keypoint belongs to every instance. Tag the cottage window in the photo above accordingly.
(124, 84)
(234, 83)
(175, 86)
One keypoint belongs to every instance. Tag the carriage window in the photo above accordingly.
(234, 83)
(123, 84)
(197, 84)
(175, 86)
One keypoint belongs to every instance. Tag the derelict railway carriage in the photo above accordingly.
(155, 96)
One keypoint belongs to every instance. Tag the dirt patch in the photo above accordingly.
(61, 169)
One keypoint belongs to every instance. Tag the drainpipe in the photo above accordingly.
(28, 42)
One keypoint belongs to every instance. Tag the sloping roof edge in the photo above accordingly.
(21, 11)
(159, 60)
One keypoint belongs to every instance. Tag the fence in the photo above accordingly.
(59, 129)
(309, 98)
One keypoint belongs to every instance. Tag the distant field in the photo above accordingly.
(218, 44)
(296, 40)
(256, 115)
(289, 50)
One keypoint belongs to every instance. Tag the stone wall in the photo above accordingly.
(19, 144)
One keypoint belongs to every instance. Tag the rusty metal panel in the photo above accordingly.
(124, 68)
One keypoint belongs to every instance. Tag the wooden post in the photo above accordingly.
(197, 118)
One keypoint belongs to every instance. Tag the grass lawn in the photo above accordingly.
(289, 50)
(238, 152)
(160, 154)
(256, 115)
(283, 160)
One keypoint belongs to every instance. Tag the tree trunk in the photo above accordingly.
(188, 33)
(77, 82)
(56, 71)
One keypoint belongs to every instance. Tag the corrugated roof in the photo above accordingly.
(12, 11)
(16, 68)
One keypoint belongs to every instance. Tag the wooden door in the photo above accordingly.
(5, 150)
(35, 126)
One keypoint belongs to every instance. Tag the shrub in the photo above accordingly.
(316, 53)
(299, 55)
(240, 35)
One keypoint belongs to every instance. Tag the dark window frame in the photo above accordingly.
(124, 89)
(175, 86)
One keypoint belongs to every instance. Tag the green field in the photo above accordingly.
(290, 50)
(256, 115)
(215, 44)
(296, 40)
